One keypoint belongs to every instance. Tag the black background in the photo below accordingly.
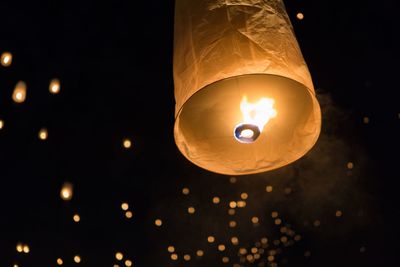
(114, 60)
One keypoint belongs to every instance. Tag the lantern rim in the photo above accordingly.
(312, 91)
(227, 171)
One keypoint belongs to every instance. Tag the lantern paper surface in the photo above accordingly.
(230, 56)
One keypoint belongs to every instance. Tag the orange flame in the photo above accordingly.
(259, 113)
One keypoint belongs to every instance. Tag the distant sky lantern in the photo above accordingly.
(127, 143)
(245, 101)
(43, 134)
(300, 16)
(6, 59)
(66, 191)
(54, 86)
(19, 93)
(76, 218)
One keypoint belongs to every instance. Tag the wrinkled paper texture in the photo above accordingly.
(218, 39)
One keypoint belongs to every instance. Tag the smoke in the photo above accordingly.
(321, 196)
(329, 178)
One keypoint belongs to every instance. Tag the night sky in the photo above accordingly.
(337, 206)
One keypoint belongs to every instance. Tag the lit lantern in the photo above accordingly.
(6, 59)
(66, 191)
(245, 101)
(54, 86)
(19, 93)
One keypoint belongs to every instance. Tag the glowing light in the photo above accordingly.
(264, 240)
(77, 259)
(300, 16)
(278, 221)
(158, 222)
(235, 240)
(242, 251)
(216, 200)
(19, 247)
(128, 263)
(274, 214)
(255, 117)
(171, 249)
(221, 247)
(60, 261)
(185, 191)
(200, 253)
(254, 220)
(271, 258)
(250, 258)
(6, 59)
(233, 180)
(191, 210)
(247, 133)
(241, 204)
(125, 206)
(339, 213)
(19, 93)
(54, 86)
(366, 120)
(1, 124)
(268, 189)
(66, 191)
(128, 214)
(174, 257)
(211, 239)
(77, 218)
(225, 259)
(119, 256)
(232, 224)
(232, 204)
(186, 257)
(127, 143)
(43, 134)
(26, 249)
(231, 211)
(350, 165)
(244, 196)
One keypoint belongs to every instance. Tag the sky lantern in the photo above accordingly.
(245, 101)
(19, 93)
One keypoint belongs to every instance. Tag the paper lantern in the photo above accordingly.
(245, 102)
(19, 93)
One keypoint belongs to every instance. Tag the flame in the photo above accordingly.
(259, 113)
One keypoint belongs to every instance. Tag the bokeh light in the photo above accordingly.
(43, 134)
(77, 259)
(54, 86)
(66, 192)
(300, 16)
(19, 93)
(6, 59)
